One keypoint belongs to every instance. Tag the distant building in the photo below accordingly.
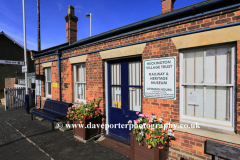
(10, 50)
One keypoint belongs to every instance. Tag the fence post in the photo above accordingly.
(5, 99)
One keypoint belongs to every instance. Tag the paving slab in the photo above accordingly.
(22, 138)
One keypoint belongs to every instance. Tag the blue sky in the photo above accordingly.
(106, 15)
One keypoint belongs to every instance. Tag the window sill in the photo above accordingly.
(213, 133)
(44, 98)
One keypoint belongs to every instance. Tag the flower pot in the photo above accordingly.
(86, 133)
(141, 152)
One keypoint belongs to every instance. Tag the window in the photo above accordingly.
(48, 82)
(80, 82)
(207, 85)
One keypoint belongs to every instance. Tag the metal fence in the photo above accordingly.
(15, 98)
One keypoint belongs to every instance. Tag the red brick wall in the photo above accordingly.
(9, 82)
(95, 80)
(67, 77)
(189, 144)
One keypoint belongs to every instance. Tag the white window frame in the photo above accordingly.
(46, 86)
(226, 125)
(75, 83)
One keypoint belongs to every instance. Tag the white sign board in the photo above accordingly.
(193, 98)
(160, 78)
(11, 62)
(79, 90)
(118, 92)
(24, 69)
(38, 88)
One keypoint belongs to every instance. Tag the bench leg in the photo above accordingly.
(52, 125)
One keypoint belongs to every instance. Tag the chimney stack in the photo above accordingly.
(167, 5)
(71, 25)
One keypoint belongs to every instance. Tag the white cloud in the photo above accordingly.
(59, 6)
(78, 8)
(8, 13)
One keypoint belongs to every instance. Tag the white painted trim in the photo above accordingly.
(207, 84)
(48, 64)
(208, 121)
(106, 94)
(209, 125)
(233, 78)
(180, 86)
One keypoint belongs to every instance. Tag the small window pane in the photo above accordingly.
(48, 70)
(116, 97)
(193, 110)
(81, 91)
(218, 102)
(116, 74)
(188, 109)
(81, 76)
(222, 103)
(223, 65)
(134, 73)
(189, 67)
(199, 67)
(49, 88)
(135, 99)
(199, 108)
(210, 66)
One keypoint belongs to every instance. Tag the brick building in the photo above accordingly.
(196, 47)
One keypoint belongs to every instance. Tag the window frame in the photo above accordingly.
(226, 125)
(76, 99)
(46, 86)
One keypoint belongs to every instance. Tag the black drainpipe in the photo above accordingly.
(59, 73)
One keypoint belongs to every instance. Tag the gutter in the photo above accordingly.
(114, 32)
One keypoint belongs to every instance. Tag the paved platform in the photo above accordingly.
(22, 138)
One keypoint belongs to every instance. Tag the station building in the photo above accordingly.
(183, 64)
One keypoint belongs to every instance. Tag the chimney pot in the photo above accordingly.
(71, 10)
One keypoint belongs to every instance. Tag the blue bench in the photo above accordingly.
(51, 110)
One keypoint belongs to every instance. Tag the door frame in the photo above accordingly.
(107, 85)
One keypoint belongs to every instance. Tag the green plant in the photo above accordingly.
(154, 132)
(84, 111)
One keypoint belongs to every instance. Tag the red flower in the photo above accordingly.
(148, 123)
(90, 117)
(85, 116)
(96, 112)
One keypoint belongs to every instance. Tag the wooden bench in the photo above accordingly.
(51, 110)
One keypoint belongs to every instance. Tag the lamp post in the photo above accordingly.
(25, 58)
(90, 16)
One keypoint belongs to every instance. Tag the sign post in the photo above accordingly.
(160, 78)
